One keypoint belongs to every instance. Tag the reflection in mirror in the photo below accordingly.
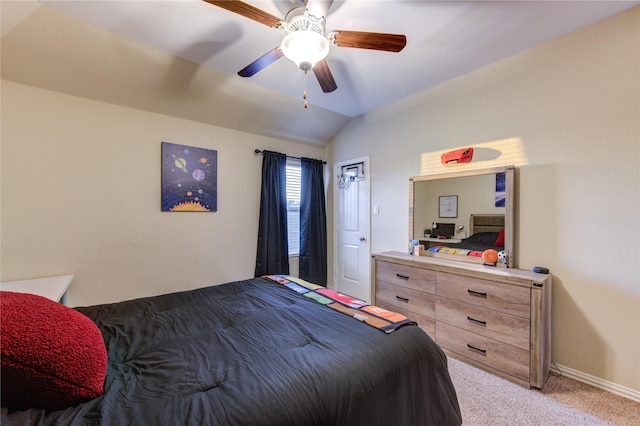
(459, 215)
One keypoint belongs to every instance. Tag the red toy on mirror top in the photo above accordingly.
(463, 155)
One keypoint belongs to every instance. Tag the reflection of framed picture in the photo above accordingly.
(501, 189)
(448, 206)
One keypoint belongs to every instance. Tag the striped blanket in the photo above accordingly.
(374, 316)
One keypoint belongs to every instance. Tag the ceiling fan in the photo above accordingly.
(307, 43)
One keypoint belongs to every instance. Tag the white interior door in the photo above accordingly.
(352, 230)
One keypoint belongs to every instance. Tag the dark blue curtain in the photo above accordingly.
(313, 223)
(273, 248)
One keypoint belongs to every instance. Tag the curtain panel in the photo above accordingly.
(273, 252)
(313, 223)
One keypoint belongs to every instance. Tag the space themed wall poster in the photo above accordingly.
(189, 178)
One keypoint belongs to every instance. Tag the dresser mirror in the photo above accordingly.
(459, 215)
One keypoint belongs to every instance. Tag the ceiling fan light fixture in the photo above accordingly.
(305, 48)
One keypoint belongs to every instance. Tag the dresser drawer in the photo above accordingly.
(496, 325)
(428, 324)
(492, 353)
(406, 299)
(407, 276)
(511, 299)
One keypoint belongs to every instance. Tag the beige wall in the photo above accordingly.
(569, 113)
(80, 194)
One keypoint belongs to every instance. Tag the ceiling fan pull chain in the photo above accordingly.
(304, 93)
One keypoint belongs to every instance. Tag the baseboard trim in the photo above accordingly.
(597, 382)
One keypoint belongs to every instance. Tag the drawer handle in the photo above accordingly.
(477, 293)
(475, 321)
(403, 277)
(402, 299)
(480, 351)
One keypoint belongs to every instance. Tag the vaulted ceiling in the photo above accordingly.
(181, 57)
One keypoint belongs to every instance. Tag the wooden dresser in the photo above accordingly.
(497, 319)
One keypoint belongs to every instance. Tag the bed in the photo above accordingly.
(486, 232)
(263, 351)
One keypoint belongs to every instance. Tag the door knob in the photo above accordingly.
(363, 239)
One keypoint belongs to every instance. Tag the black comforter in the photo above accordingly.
(255, 353)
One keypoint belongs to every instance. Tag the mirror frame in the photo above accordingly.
(509, 228)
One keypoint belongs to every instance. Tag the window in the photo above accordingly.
(293, 205)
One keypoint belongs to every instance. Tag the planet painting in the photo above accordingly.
(189, 178)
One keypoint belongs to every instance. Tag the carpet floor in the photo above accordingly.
(486, 399)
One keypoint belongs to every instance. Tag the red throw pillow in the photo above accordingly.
(53, 357)
(500, 240)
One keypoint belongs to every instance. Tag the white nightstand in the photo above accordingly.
(54, 288)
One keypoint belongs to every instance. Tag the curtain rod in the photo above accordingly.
(258, 152)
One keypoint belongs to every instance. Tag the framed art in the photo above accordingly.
(448, 206)
(189, 178)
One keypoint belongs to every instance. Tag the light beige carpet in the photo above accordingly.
(590, 399)
(486, 399)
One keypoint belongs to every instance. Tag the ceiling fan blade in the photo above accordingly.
(364, 40)
(323, 74)
(261, 63)
(248, 11)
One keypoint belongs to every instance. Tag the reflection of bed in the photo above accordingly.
(256, 352)
(486, 232)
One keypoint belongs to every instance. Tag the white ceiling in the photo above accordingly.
(445, 39)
